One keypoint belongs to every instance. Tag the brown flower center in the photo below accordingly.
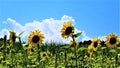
(95, 44)
(68, 30)
(112, 41)
(73, 45)
(44, 55)
(35, 39)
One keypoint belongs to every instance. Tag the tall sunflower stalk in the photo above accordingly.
(65, 54)
(35, 39)
(38, 46)
(94, 46)
(68, 31)
(112, 42)
(23, 51)
(74, 44)
(12, 39)
(4, 48)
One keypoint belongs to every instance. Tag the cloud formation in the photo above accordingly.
(49, 27)
(84, 36)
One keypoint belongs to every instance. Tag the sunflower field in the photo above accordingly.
(93, 53)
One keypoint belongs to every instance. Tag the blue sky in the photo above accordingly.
(95, 17)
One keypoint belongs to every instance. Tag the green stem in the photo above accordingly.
(102, 58)
(38, 46)
(65, 58)
(75, 49)
(56, 61)
(4, 48)
(116, 58)
(75, 57)
(19, 39)
(25, 57)
(13, 55)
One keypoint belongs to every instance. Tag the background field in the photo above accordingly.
(60, 56)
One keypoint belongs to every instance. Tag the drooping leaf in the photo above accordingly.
(18, 36)
(103, 48)
(21, 33)
(112, 51)
(81, 49)
(66, 47)
(77, 35)
(118, 48)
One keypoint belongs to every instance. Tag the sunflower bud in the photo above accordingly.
(12, 37)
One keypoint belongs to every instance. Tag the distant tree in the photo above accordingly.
(1, 39)
(102, 43)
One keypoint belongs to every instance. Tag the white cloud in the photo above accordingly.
(16, 26)
(102, 38)
(67, 18)
(84, 36)
(3, 32)
(49, 27)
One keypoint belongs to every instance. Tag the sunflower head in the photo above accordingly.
(119, 40)
(90, 49)
(29, 50)
(12, 37)
(67, 30)
(95, 43)
(35, 37)
(112, 40)
(44, 55)
(48, 53)
(73, 45)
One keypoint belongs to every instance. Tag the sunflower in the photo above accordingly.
(35, 37)
(95, 43)
(48, 53)
(29, 50)
(44, 55)
(12, 37)
(67, 30)
(119, 40)
(112, 40)
(73, 45)
(90, 50)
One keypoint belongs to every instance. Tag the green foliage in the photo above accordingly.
(60, 56)
(77, 35)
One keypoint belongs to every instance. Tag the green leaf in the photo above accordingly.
(21, 33)
(118, 55)
(103, 48)
(77, 35)
(112, 51)
(3, 66)
(118, 48)
(81, 49)
(70, 54)
(66, 47)
(19, 54)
